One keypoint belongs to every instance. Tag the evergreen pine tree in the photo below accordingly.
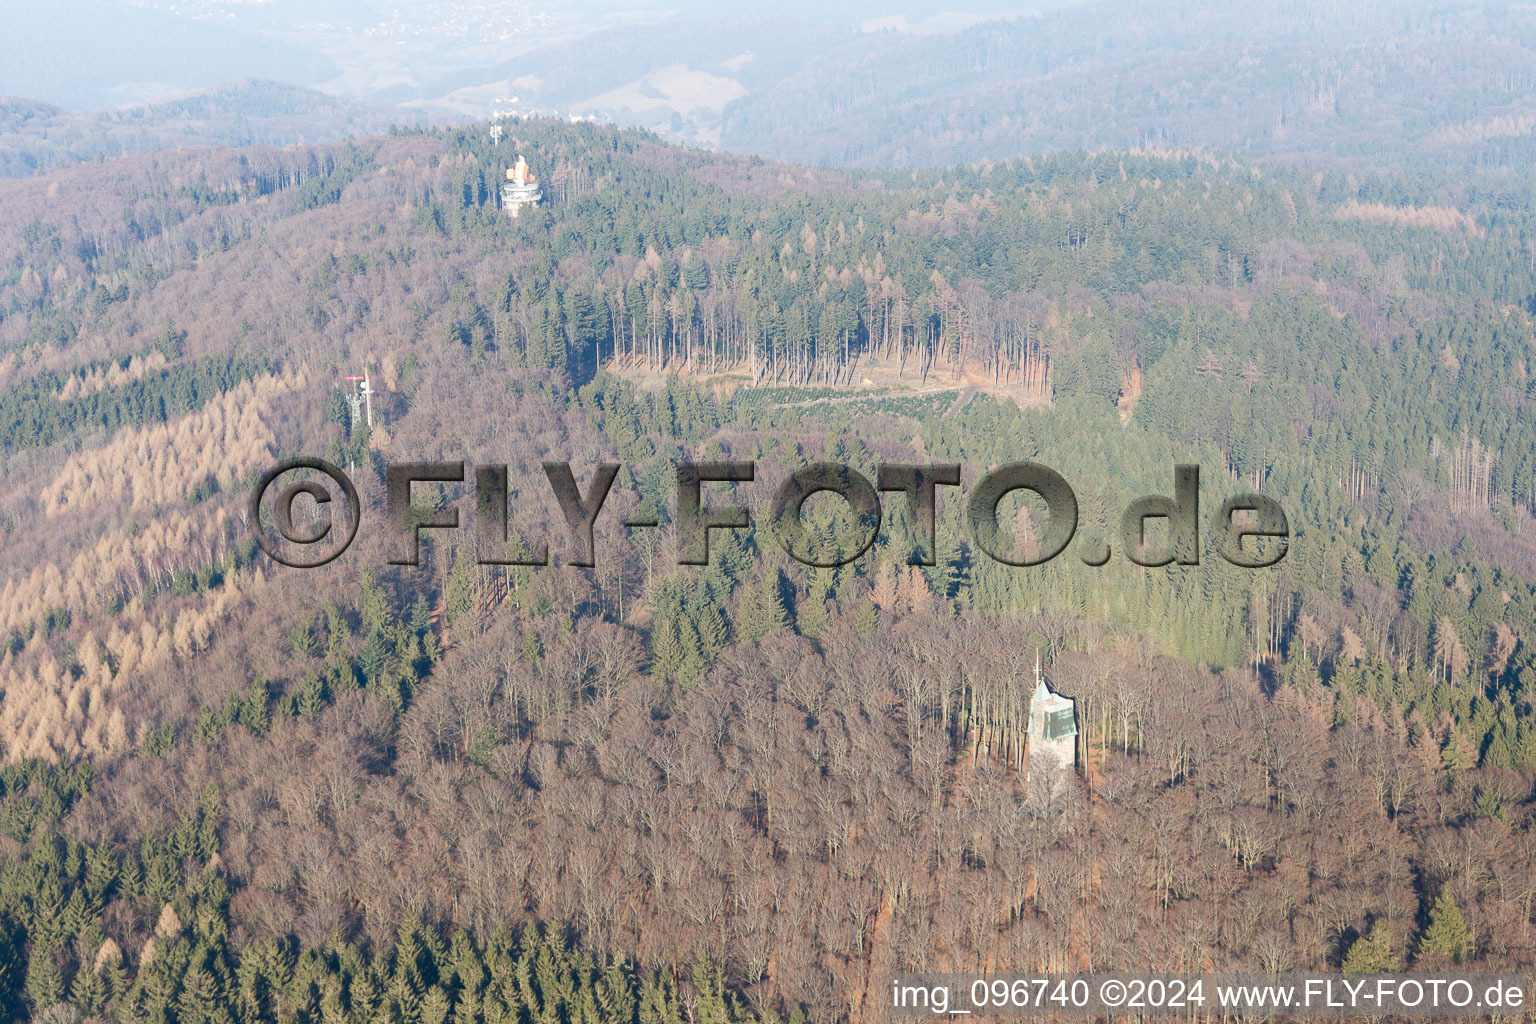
(100, 871)
(615, 995)
(198, 1002)
(1372, 953)
(712, 632)
(372, 658)
(1458, 756)
(435, 1006)
(1447, 934)
(667, 651)
(533, 648)
(311, 696)
(301, 639)
(867, 618)
(462, 591)
(336, 635)
(464, 962)
(332, 1010)
(761, 610)
(45, 981)
(811, 614)
(254, 711)
(374, 605)
(710, 988)
(421, 615)
(89, 991)
(690, 668)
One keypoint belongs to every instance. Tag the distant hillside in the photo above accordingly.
(36, 135)
(1366, 80)
(1383, 81)
(16, 112)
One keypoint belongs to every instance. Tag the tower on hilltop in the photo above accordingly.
(1052, 728)
(360, 398)
(520, 189)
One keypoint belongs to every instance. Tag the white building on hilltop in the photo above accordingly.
(520, 189)
(1052, 728)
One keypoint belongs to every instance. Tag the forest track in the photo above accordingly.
(962, 400)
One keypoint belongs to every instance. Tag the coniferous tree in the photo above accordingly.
(1447, 935)
(254, 712)
(811, 614)
(867, 618)
(462, 590)
(1372, 953)
(45, 981)
(667, 650)
(762, 609)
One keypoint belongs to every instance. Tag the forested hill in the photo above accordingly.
(37, 136)
(1365, 80)
(241, 792)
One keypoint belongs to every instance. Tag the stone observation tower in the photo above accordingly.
(1052, 728)
(520, 189)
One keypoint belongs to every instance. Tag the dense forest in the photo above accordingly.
(472, 792)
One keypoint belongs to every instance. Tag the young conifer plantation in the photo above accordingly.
(653, 793)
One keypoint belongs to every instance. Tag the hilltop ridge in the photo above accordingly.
(36, 136)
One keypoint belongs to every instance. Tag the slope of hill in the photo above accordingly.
(474, 791)
(1355, 80)
(1359, 79)
(15, 112)
(37, 136)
